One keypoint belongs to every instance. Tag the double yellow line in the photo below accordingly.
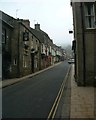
(57, 100)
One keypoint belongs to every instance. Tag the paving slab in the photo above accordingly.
(82, 100)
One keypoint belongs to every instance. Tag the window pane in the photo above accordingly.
(92, 22)
(90, 15)
(4, 36)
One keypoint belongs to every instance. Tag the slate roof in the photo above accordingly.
(40, 34)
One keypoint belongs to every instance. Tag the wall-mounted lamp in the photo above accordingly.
(70, 32)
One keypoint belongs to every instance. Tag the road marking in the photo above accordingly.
(57, 100)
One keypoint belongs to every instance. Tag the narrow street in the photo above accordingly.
(34, 97)
(48, 59)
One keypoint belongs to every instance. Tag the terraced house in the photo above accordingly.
(24, 50)
(84, 44)
(46, 44)
(18, 54)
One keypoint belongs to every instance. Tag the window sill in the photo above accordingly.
(90, 28)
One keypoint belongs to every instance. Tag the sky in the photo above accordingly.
(54, 16)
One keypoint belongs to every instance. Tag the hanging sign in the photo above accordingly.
(25, 36)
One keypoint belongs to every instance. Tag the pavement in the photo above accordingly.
(82, 103)
(82, 100)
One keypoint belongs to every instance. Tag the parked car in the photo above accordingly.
(71, 60)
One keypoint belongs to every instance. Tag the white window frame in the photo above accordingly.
(24, 62)
(36, 63)
(90, 17)
(36, 47)
(15, 61)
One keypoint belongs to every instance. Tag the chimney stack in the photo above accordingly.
(37, 26)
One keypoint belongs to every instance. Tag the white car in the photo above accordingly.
(70, 61)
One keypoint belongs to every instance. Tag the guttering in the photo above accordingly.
(7, 23)
(18, 51)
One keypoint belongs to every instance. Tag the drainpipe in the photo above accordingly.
(84, 48)
(95, 51)
(18, 64)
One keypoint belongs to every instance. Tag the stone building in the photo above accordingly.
(7, 48)
(46, 44)
(84, 21)
(25, 50)
(20, 46)
(30, 48)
